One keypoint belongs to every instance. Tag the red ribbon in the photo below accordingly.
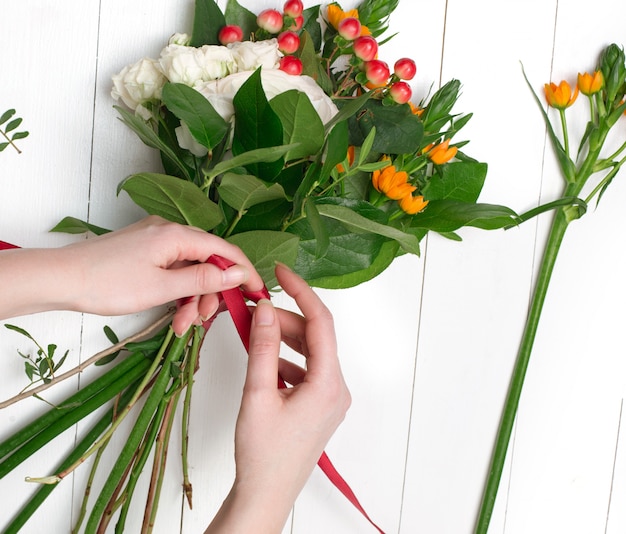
(235, 300)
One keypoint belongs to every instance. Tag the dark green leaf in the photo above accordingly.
(19, 135)
(71, 225)
(6, 115)
(246, 159)
(458, 180)
(242, 17)
(349, 109)
(29, 369)
(265, 248)
(44, 367)
(311, 65)
(13, 125)
(301, 124)
(336, 148)
(60, 363)
(172, 198)
(311, 27)
(110, 334)
(204, 123)
(3, 146)
(256, 126)
(243, 191)
(19, 331)
(449, 215)
(107, 359)
(207, 21)
(319, 229)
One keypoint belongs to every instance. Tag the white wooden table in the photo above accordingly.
(427, 348)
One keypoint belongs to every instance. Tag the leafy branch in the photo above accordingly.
(11, 127)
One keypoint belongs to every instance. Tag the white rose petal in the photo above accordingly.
(221, 92)
(188, 142)
(188, 65)
(180, 39)
(139, 83)
(251, 55)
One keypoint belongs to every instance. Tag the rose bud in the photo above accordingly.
(365, 48)
(400, 92)
(270, 20)
(405, 68)
(291, 65)
(293, 8)
(230, 34)
(288, 42)
(377, 72)
(349, 28)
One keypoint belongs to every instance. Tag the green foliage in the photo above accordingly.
(9, 132)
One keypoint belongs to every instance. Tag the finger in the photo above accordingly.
(319, 326)
(208, 306)
(202, 279)
(290, 372)
(185, 315)
(264, 348)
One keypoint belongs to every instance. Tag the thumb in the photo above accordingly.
(264, 347)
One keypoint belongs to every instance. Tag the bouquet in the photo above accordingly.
(285, 134)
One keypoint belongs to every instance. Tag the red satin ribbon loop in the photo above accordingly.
(242, 317)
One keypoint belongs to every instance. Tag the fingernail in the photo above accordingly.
(281, 264)
(234, 276)
(264, 313)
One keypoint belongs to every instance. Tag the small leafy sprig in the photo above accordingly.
(9, 133)
(41, 366)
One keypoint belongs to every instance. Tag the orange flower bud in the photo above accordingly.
(560, 96)
(590, 84)
(442, 153)
(350, 156)
(392, 183)
(412, 205)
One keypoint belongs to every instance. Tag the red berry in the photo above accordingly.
(291, 65)
(230, 34)
(270, 20)
(400, 92)
(298, 22)
(405, 68)
(288, 42)
(365, 48)
(293, 8)
(377, 72)
(349, 28)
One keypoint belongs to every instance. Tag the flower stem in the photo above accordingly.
(555, 238)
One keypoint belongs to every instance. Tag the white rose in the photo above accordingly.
(180, 39)
(250, 55)
(139, 83)
(221, 92)
(188, 65)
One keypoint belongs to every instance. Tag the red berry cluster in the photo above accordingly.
(376, 72)
(284, 25)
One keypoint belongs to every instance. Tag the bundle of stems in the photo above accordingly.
(156, 371)
(605, 89)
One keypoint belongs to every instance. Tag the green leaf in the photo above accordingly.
(29, 369)
(347, 110)
(256, 126)
(13, 125)
(459, 180)
(264, 248)
(3, 146)
(311, 65)
(349, 217)
(336, 148)
(71, 225)
(111, 335)
(19, 135)
(301, 123)
(388, 252)
(205, 124)
(60, 363)
(151, 139)
(449, 215)
(245, 159)
(172, 198)
(6, 115)
(399, 131)
(319, 230)
(207, 21)
(243, 191)
(242, 17)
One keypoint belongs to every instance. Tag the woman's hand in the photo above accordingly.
(141, 266)
(281, 433)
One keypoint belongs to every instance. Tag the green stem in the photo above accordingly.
(565, 134)
(555, 238)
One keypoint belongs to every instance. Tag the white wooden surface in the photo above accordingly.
(427, 348)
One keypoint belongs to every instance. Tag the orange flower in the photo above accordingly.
(394, 184)
(441, 153)
(590, 84)
(350, 156)
(335, 15)
(560, 96)
(416, 110)
(413, 205)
